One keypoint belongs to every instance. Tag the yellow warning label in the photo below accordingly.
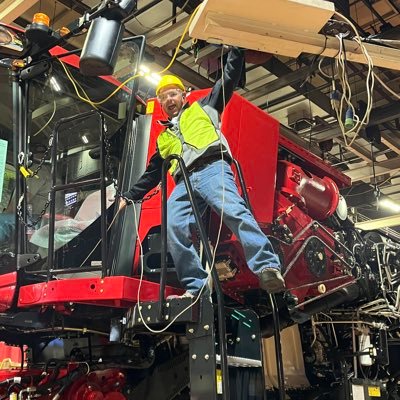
(219, 381)
(374, 391)
(150, 107)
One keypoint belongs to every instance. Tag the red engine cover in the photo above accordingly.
(311, 269)
(318, 197)
(98, 385)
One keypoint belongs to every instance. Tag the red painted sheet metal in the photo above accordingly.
(253, 137)
(8, 284)
(314, 164)
(10, 356)
(115, 291)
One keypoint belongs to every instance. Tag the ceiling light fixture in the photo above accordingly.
(152, 77)
(389, 204)
(144, 69)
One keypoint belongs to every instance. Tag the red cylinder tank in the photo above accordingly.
(318, 196)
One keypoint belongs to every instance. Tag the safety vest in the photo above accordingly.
(197, 133)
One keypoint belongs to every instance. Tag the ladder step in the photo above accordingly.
(234, 361)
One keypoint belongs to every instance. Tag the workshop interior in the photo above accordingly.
(91, 306)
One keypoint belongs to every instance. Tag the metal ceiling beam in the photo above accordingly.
(356, 149)
(167, 35)
(381, 168)
(386, 222)
(373, 11)
(309, 91)
(289, 79)
(190, 5)
(395, 6)
(12, 9)
(179, 69)
(143, 9)
(379, 115)
(390, 142)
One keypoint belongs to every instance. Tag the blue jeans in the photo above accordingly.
(208, 184)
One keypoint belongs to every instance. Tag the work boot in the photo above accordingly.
(271, 280)
(186, 295)
(189, 295)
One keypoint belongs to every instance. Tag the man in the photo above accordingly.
(192, 131)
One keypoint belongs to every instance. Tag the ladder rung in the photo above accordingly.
(241, 362)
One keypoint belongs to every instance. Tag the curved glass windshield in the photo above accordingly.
(7, 170)
(63, 93)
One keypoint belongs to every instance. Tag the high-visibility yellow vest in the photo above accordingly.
(197, 133)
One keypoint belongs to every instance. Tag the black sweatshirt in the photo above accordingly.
(232, 73)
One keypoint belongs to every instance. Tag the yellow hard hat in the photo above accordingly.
(169, 80)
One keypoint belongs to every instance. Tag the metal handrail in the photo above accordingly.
(55, 188)
(209, 257)
(278, 348)
(274, 307)
(242, 183)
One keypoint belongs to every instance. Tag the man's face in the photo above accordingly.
(172, 100)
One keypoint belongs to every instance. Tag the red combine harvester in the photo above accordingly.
(288, 201)
(82, 288)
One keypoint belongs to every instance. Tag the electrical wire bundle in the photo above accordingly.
(351, 123)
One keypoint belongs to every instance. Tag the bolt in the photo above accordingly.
(194, 356)
(139, 320)
(206, 327)
(253, 336)
(191, 330)
(149, 306)
(148, 319)
(140, 307)
(206, 357)
(167, 305)
(321, 288)
(167, 317)
(238, 339)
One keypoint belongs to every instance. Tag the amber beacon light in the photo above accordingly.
(41, 18)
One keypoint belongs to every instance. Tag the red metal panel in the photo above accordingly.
(253, 136)
(318, 197)
(299, 278)
(314, 164)
(8, 283)
(115, 291)
(10, 356)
